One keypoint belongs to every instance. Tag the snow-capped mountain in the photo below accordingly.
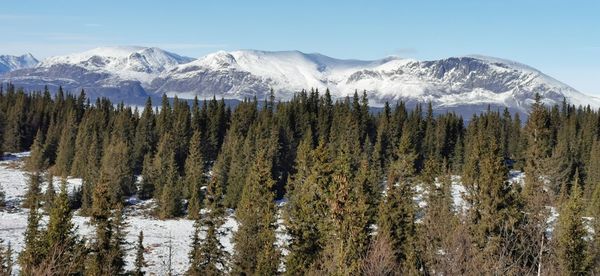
(11, 63)
(126, 62)
(465, 84)
(456, 83)
(119, 73)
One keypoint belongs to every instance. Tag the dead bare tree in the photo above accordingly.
(380, 259)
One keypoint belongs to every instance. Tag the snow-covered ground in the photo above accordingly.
(158, 234)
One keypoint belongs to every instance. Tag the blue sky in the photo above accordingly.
(561, 38)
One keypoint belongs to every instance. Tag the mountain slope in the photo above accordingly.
(465, 84)
(10, 63)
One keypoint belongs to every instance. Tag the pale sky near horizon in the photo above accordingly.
(560, 38)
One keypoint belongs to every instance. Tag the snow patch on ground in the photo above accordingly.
(158, 234)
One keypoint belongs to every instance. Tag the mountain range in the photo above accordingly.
(464, 84)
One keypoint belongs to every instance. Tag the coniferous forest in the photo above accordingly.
(358, 192)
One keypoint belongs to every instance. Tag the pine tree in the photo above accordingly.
(208, 256)
(140, 261)
(255, 250)
(572, 248)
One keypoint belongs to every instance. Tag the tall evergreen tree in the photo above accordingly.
(306, 212)
(140, 261)
(539, 137)
(208, 256)
(35, 247)
(65, 151)
(145, 136)
(170, 201)
(397, 210)
(37, 160)
(347, 237)
(255, 250)
(33, 194)
(66, 252)
(572, 250)
(194, 175)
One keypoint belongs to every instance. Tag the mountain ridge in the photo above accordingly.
(468, 82)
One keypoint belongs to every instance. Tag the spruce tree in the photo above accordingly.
(255, 250)
(145, 136)
(117, 171)
(34, 249)
(593, 171)
(439, 222)
(149, 178)
(306, 212)
(107, 253)
(169, 203)
(347, 237)
(397, 210)
(494, 215)
(571, 245)
(36, 160)
(33, 194)
(65, 151)
(140, 262)
(66, 251)
(50, 193)
(194, 175)
(208, 256)
(539, 135)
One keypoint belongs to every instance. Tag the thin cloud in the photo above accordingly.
(92, 25)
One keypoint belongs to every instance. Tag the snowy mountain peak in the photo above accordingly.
(126, 62)
(10, 63)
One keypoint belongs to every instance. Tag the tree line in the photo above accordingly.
(348, 177)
